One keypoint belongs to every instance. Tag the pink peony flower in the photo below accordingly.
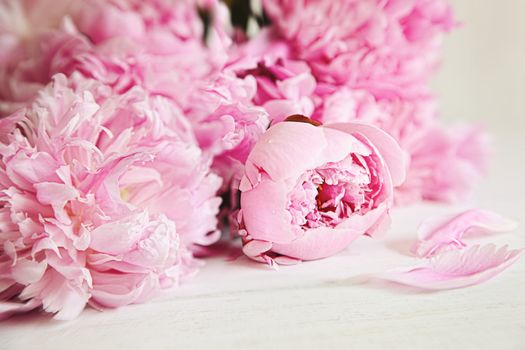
(135, 257)
(366, 43)
(445, 163)
(161, 44)
(373, 69)
(99, 197)
(227, 124)
(284, 87)
(158, 45)
(159, 26)
(308, 191)
(22, 20)
(26, 47)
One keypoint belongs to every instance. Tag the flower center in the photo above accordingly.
(329, 194)
(125, 194)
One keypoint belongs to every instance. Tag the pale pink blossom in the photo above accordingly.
(132, 259)
(457, 269)
(284, 87)
(371, 61)
(25, 29)
(443, 233)
(161, 42)
(399, 114)
(366, 43)
(158, 45)
(308, 192)
(99, 197)
(158, 26)
(22, 20)
(444, 163)
(408, 112)
(226, 122)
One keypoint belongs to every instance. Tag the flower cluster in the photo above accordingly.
(124, 122)
(339, 61)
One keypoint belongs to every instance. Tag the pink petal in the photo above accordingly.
(27, 170)
(322, 242)
(58, 295)
(45, 244)
(340, 144)
(114, 290)
(28, 271)
(256, 247)
(55, 193)
(9, 308)
(265, 214)
(137, 175)
(317, 243)
(280, 109)
(284, 151)
(375, 220)
(286, 260)
(387, 146)
(72, 304)
(295, 87)
(439, 233)
(457, 269)
(119, 236)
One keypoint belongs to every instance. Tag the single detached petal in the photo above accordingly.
(457, 269)
(437, 234)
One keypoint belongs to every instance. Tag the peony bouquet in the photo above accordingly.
(132, 133)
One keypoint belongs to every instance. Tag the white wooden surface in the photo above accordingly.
(331, 303)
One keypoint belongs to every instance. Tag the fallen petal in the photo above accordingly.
(437, 234)
(457, 269)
